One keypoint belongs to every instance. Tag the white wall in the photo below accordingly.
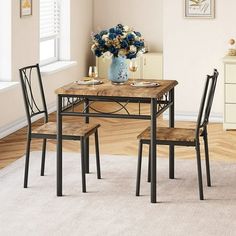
(25, 51)
(5, 40)
(192, 48)
(144, 16)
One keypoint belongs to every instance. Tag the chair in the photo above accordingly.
(32, 87)
(184, 136)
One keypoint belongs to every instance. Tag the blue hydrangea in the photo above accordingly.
(124, 44)
(103, 32)
(112, 30)
(130, 37)
(112, 36)
(101, 42)
(138, 44)
(113, 50)
(131, 55)
(118, 31)
(97, 52)
(97, 36)
(120, 26)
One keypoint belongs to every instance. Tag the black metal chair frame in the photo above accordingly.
(201, 130)
(32, 110)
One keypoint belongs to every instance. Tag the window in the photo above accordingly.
(49, 31)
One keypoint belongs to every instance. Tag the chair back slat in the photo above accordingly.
(206, 102)
(31, 83)
(34, 109)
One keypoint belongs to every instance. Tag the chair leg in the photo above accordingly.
(207, 160)
(199, 168)
(43, 156)
(82, 141)
(86, 154)
(27, 156)
(171, 162)
(140, 150)
(97, 155)
(149, 164)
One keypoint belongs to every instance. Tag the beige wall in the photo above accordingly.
(144, 16)
(25, 51)
(192, 48)
(5, 42)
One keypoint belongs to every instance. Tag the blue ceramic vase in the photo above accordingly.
(118, 71)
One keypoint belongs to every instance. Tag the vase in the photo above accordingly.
(118, 71)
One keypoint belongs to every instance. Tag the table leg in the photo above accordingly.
(153, 149)
(86, 142)
(172, 147)
(59, 146)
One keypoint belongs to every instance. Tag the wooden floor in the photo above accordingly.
(118, 136)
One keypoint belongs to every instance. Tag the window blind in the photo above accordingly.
(49, 19)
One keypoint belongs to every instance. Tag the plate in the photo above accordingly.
(89, 82)
(145, 84)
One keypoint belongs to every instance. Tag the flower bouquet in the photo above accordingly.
(119, 43)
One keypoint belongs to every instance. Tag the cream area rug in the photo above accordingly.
(110, 206)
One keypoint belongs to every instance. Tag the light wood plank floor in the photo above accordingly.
(118, 136)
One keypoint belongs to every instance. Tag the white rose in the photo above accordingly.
(132, 48)
(123, 36)
(126, 28)
(105, 37)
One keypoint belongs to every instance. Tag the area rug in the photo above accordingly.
(110, 206)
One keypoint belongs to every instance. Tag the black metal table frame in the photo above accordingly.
(154, 113)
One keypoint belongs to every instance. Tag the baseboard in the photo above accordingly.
(191, 116)
(21, 122)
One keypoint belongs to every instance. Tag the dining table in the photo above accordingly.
(158, 98)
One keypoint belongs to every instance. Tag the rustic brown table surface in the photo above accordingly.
(106, 88)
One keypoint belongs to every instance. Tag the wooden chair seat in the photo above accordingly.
(170, 134)
(69, 129)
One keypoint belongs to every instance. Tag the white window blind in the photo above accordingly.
(49, 19)
(49, 31)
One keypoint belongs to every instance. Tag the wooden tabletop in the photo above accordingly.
(106, 88)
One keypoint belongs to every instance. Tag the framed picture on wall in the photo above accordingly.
(25, 8)
(199, 8)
